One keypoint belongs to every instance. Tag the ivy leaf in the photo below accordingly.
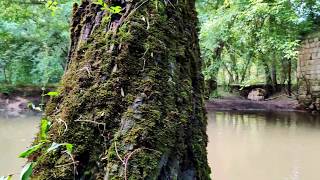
(26, 171)
(30, 150)
(53, 93)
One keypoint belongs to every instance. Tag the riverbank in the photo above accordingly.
(15, 102)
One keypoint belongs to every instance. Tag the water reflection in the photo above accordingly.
(264, 146)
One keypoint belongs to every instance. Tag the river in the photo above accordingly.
(242, 146)
(264, 146)
(16, 134)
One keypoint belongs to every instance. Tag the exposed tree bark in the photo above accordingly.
(131, 98)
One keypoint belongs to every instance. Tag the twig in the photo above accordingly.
(127, 162)
(134, 10)
(127, 156)
(63, 165)
(94, 122)
(144, 59)
(65, 124)
(115, 147)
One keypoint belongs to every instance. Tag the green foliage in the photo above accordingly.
(108, 8)
(53, 94)
(34, 44)
(238, 36)
(105, 6)
(215, 94)
(52, 5)
(26, 171)
(44, 127)
(54, 146)
(31, 150)
(5, 88)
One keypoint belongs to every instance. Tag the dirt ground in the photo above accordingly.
(17, 103)
(277, 102)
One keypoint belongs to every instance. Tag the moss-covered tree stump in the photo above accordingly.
(131, 99)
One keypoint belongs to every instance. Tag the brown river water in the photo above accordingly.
(242, 146)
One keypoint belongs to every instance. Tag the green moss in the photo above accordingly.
(155, 90)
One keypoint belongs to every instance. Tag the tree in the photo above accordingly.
(263, 34)
(34, 44)
(131, 100)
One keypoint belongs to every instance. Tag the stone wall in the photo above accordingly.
(308, 72)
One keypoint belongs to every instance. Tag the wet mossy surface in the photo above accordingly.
(132, 91)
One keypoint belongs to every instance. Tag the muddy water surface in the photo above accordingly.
(264, 146)
(243, 146)
(16, 134)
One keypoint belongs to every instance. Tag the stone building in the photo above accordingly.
(308, 72)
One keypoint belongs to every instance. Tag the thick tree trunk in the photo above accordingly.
(131, 99)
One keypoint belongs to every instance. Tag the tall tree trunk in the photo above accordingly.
(4, 74)
(247, 66)
(289, 77)
(267, 72)
(233, 67)
(131, 99)
(274, 74)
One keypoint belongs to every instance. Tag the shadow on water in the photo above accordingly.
(263, 145)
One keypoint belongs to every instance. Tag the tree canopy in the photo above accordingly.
(237, 35)
(239, 38)
(34, 41)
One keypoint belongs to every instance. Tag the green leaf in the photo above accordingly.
(55, 146)
(115, 9)
(99, 2)
(26, 171)
(69, 147)
(53, 93)
(30, 150)
(44, 127)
